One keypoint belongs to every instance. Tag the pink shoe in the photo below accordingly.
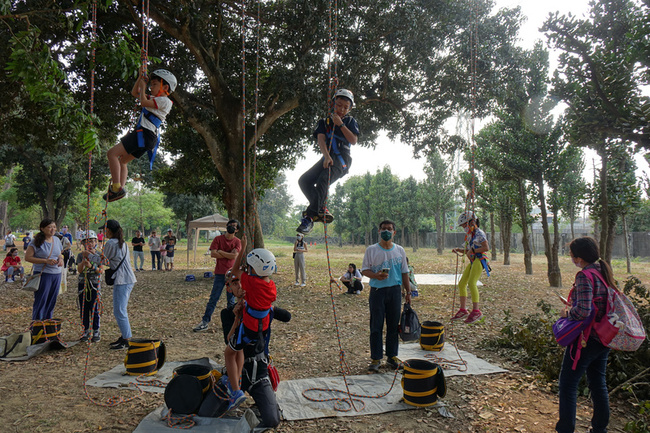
(474, 316)
(460, 314)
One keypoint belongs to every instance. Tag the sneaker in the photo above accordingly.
(474, 316)
(10, 280)
(120, 343)
(141, 269)
(394, 362)
(296, 283)
(306, 225)
(357, 292)
(237, 398)
(326, 216)
(303, 285)
(96, 336)
(460, 314)
(114, 196)
(374, 366)
(201, 326)
(85, 336)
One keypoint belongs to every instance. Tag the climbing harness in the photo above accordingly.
(155, 121)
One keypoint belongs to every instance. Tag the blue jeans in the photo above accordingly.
(45, 296)
(138, 256)
(385, 303)
(215, 294)
(121, 294)
(155, 256)
(593, 361)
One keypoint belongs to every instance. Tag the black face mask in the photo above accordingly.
(231, 229)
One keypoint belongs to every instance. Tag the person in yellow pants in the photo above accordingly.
(476, 246)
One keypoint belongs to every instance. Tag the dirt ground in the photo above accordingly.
(46, 393)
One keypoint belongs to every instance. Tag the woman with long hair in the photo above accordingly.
(117, 252)
(46, 253)
(593, 357)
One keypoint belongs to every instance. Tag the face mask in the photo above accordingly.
(230, 229)
(386, 235)
(575, 262)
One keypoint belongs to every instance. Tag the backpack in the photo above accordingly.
(621, 327)
(409, 324)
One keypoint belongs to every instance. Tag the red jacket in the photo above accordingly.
(10, 261)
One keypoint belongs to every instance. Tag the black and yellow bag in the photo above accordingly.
(432, 336)
(423, 383)
(144, 357)
(186, 390)
(46, 330)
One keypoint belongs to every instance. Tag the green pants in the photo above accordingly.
(470, 276)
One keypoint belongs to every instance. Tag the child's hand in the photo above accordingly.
(244, 241)
(337, 119)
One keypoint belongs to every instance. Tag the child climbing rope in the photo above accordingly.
(335, 162)
(260, 292)
(476, 245)
(146, 135)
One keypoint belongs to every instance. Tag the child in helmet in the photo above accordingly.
(259, 294)
(89, 265)
(335, 162)
(146, 135)
(476, 245)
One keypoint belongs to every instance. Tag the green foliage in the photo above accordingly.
(641, 425)
(142, 208)
(530, 341)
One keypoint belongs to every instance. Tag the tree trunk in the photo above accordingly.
(555, 259)
(523, 214)
(440, 239)
(4, 223)
(604, 212)
(532, 240)
(505, 224)
(493, 238)
(627, 245)
(552, 270)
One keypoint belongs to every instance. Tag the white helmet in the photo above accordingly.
(167, 76)
(88, 234)
(346, 94)
(262, 261)
(466, 217)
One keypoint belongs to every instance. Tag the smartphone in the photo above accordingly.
(562, 298)
(385, 270)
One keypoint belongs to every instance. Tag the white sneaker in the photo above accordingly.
(296, 283)
(303, 285)
(10, 280)
(358, 292)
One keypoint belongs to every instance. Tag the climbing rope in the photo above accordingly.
(243, 104)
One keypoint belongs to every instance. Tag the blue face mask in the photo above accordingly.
(386, 235)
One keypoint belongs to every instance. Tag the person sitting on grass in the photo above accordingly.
(259, 294)
(146, 135)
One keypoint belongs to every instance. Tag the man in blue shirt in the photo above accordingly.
(385, 264)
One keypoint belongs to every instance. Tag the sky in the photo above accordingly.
(400, 155)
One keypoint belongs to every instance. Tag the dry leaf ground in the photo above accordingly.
(46, 393)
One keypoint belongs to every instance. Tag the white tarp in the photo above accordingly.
(294, 406)
(434, 279)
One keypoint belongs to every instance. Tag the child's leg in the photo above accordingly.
(462, 286)
(117, 160)
(474, 274)
(233, 366)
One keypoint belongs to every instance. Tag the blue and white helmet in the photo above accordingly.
(167, 76)
(88, 234)
(262, 261)
(345, 93)
(465, 217)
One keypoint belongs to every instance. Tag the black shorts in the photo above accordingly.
(130, 142)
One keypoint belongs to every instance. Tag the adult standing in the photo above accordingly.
(66, 234)
(138, 242)
(593, 358)
(154, 249)
(299, 250)
(46, 254)
(117, 252)
(10, 240)
(224, 249)
(385, 264)
(170, 246)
